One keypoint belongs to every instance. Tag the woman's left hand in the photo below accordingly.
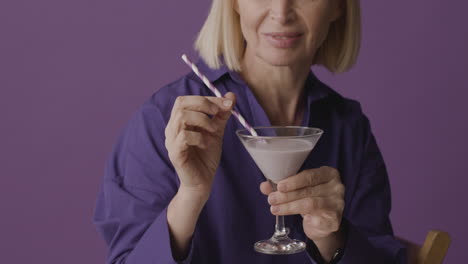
(316, 194)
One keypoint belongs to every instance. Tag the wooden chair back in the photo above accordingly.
(432, 251)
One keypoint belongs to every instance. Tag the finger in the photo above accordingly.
(312, 232)
(305, 178)
(225, 103)
(265, 188)
(302, 206)
(228, 103)
(324, 221)
(309, 205)
(186, 119)
(186, 139)
(323, 190)
(316, 226)
(209, 105)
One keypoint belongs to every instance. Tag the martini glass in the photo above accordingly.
(279, 152)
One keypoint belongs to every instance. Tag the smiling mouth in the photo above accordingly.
(280, 37)
(284, 35)
(283, 40)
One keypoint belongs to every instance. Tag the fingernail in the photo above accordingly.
(271, 199)
(274, 209)
(227, 103)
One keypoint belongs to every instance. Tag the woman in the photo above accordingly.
(179, 186)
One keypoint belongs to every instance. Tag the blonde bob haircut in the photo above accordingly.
(221, 36)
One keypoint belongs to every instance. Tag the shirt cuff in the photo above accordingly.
(155, 245)
(314, 254)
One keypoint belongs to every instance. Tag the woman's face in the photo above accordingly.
(285, 32)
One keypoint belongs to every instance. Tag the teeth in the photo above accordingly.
(279, 37)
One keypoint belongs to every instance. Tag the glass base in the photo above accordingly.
(282, 246)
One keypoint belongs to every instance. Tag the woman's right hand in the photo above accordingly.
(194, 140)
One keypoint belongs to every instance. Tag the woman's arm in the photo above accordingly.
(159, 178)
(139, 184)
(367, 212)
(182, 215)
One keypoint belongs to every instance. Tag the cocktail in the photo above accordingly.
(279, 152)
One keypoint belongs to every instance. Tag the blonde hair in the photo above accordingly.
(221, 36)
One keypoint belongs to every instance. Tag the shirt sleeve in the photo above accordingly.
(369, 231)
(139, 182)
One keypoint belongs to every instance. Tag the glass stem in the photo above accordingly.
(281, 231)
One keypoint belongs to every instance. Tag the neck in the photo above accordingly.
(279, 89)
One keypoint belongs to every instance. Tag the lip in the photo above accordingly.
(283, 40)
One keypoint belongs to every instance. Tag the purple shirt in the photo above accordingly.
(140, 181)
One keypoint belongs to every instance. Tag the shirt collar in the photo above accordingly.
(212, 74)
(316, 89)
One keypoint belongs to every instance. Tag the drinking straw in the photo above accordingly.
(218, 94)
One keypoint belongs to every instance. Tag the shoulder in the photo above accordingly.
(346, 109)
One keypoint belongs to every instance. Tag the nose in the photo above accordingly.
(281, 11)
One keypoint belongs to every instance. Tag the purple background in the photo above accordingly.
(72, 73)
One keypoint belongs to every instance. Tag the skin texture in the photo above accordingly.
(277, 75)
(308, 17)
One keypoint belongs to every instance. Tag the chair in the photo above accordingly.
(431, 252)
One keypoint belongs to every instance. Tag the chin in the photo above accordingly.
(281, 57)
(280, 60)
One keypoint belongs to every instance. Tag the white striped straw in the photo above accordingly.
(218, 94)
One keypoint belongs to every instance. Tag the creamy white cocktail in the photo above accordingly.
(279, 159)
(279, 152)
